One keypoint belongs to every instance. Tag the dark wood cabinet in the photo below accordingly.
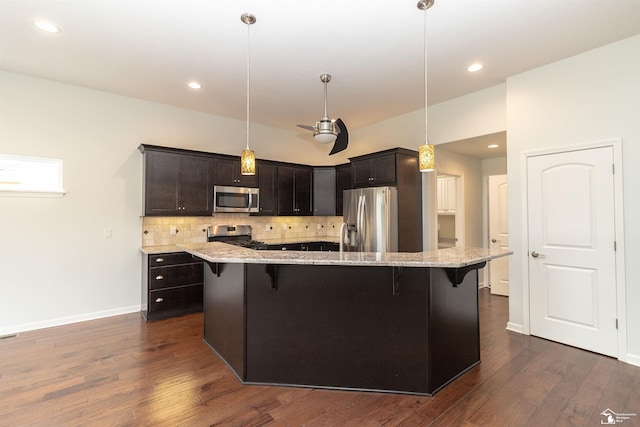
(177, 183)
(227, 172)
(295, 190)
(324, 191)
(343, 182)
(268, 185)
(172, 285)
(373, 170)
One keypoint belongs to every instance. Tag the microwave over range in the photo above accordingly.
(235, 199)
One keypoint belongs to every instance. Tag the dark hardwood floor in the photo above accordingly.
(123, 371)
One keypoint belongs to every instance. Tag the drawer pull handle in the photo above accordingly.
(159, 299)
(159, 277)
(159, 259)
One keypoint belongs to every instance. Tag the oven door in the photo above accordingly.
(235, 199)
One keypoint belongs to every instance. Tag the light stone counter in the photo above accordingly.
(153, 250)
(167, 249)
(448, 258)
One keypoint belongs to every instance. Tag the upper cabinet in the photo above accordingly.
(343, 182)
(446, 194)
(268, 185)
(324, 191)
(227, 172)
(294, 190)
(177, 183)
(373, 170)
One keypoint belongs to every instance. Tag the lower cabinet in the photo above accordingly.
(172, 285)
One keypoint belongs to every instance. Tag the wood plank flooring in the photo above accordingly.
(121, 371)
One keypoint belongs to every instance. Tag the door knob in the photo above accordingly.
(537, 255)
(493, 240)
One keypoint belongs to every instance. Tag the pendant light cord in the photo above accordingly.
(248, 76)
(426, 129)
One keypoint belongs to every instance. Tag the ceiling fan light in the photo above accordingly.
(325, 138)
(248, 162)
(427, 158)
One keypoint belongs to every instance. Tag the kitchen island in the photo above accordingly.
(391, 322)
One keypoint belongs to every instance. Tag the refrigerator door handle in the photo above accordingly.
(364, 236)
(359, 229)
(385, 229)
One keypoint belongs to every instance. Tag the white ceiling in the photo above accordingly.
(150, 49)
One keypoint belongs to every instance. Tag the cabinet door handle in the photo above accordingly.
(159, 259)
(159, 299)
(159, 277)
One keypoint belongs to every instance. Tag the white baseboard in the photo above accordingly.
(515, 327)
(632, 359)
(68, 320)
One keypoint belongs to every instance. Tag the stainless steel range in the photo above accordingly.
(239, 235)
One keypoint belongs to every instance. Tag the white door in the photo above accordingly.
(498, 234)
(572, 278)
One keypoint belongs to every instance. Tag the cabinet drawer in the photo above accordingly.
(170, 259)
(176, 275)
(181, 298)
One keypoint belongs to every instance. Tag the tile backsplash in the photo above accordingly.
(156, 231)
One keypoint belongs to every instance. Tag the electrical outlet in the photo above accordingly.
(108, 233)
(173, 230)
(267, 227)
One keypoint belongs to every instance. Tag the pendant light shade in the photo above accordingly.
(427, 159)
(248, 158)
(248, 162)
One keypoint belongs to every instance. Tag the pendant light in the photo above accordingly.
(426, 153)
(248, 157)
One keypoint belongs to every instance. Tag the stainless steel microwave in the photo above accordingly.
(235, 199)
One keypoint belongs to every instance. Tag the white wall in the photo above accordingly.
(495, 166)
(586, 98)
(477, 114)
(55, 265)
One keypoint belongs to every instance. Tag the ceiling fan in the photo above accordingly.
(327, 130)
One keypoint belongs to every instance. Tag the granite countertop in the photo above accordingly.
(166, 249)
(452, 257)
(153, 250)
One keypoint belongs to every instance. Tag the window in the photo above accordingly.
(30, 176)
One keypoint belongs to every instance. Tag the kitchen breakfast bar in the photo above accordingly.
(389, 322)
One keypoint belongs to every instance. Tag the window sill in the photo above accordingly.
(54, 194)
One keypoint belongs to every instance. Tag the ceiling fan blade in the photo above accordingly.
(343, 138)
(311, 128)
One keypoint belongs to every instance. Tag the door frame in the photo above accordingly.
(616, 145)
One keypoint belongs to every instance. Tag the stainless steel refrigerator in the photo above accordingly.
(371, 220)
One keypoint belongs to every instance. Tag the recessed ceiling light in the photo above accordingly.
(195, 85)
(47, 26)
(474, 67)
(493, 146)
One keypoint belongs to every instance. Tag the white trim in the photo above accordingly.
(632, 359)
(68, 320)
(22, 193)
(616, 145)
(515, 327)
